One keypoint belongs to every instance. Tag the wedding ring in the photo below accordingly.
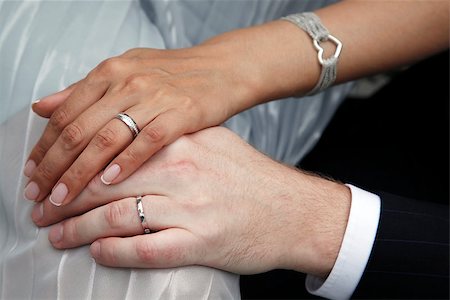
(140, 209)
(129, 122)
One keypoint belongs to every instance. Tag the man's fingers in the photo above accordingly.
(45, 106)
(163, 130)
(168, 248)
(118, 218)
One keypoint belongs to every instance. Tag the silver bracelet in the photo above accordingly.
(311, 23)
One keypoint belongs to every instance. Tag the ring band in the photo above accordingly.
(129, 122)
(140, 209)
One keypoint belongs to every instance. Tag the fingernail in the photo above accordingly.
(37, 213)
(36, 101)
(95, 249)
(31, 191)
(59, 194)
(56, 233)
(29, 168)
(110, 174)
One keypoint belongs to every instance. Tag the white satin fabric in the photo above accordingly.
(45, 46)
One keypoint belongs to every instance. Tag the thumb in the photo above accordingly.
(47, 105)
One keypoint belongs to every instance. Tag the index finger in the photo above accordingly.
(81, 97)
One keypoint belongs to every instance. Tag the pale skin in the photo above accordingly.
(216, 201)
(173, 92)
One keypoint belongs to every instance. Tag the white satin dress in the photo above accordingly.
(45, 46)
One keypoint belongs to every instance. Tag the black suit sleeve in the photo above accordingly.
(410, 257)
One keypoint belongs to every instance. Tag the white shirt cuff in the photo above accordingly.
(355, 249)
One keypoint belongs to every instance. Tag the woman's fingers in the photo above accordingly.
(63, 126)
(65, 150)
(105, 145)
(45, 106)
(102, 146)
(81, 98)
(118, 218)
(168, 248)
(167, 93)
(152, 138)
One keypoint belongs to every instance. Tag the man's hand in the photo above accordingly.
(215, 201)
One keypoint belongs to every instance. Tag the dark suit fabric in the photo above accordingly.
(410, 257)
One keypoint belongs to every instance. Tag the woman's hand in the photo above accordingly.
(214, 201)
(167, 93)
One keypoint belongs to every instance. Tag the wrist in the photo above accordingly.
(322, 217)
(273, 60)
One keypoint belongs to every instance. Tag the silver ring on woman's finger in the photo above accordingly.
(129, 122)
(140, 209)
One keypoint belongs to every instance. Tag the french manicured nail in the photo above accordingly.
(59, 194)
(38, 212)
(36, 101)
(56, 233)
(95, 249)
(31, 191)
(110, 174)
(29, 168)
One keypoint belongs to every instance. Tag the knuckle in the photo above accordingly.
(132, 157)
(72, 136)
(71, 232)
(59, 119)
(94, 186)
(146, 252)
(75, 177)
(110, 66)
(189, 107)
(174, 253)
(45, 170)
(107, 68)
(188, 103)
(153, 134)
(41, 149)
(137, 82)
(92, 78)
(109, 254)
(132, 52)
(149, 52)
(105, 139)
(157, 72)
(165, 90)
(115, 214)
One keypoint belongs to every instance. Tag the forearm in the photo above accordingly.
(280, 60)
(381, 35)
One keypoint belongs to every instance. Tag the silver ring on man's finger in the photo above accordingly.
(140, 209)
(129, 122)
